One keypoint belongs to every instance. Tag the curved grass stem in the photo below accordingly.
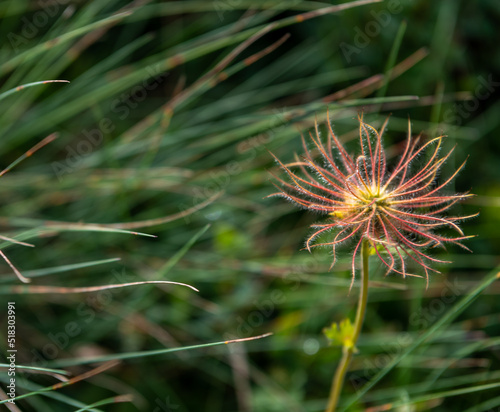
(348, 351)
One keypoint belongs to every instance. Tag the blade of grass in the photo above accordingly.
(170, 218)
(63, 268)
(142, 70)
(178, 256)
(114, 399)
(390, 393)
(41, 289)
(30, 152)
(437, 327)
(391, 61)
(37, 50)
(51, 226)
(440, 395)
(36, 369)
(83, 376)
(27, 385)
(164, 270)
(488, 405)
(461, 353)
(134, 355)
(28, 85)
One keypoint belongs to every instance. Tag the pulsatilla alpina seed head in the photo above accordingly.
(396, 210)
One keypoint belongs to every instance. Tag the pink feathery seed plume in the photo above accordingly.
(397, 210)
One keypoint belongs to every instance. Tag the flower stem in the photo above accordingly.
(348, 351)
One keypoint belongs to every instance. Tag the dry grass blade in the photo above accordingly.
(367, 86)
(83, 376)
(40, 289)
(166, 219)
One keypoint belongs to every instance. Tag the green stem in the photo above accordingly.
(348, 352)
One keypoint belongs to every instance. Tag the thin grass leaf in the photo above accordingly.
(58, 41)
(391, 61)
(63, 268)
(487, 405)
(37, 369)
(134, 355)
(143, 70)
(393, 55)
(389, 394)
(178, 7)
(50, 138)
(459, 354)
(83, 376)
(66, 400)
(163, 271)
(441, 395)
(53, 226)
(170, 218)
(434, 330)
(28, 85)
(108, 401)
(40, 289)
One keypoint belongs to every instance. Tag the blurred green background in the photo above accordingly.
(168, 119)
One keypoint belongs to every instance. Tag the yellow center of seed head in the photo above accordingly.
(337, 214)
(372, 198)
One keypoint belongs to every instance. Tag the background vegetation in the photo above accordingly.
(167, 121)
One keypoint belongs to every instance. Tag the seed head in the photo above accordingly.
(397, 211)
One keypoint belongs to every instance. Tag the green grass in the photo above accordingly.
(164, 131)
